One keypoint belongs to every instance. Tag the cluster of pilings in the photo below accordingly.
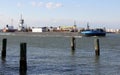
(23, 56)
(23, 51)
(96, 43)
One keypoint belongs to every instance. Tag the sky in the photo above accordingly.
(39, 13)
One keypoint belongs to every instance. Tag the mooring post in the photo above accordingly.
(4, 46)
(73, 44)
(23, 60)
(97, 47)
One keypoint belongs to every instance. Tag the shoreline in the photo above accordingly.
(42, 33)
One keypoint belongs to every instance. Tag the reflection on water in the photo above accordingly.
(53, 56)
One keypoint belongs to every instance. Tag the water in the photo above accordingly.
(51, 55)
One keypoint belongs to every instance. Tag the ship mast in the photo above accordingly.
(74, 23)
(12, 22)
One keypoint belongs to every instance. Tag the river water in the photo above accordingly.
(51, 55)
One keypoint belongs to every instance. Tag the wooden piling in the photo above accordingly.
(97, 47)
(73, 44)
(4, 46)
(23, 59)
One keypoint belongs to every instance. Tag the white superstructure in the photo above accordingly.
(21, 25)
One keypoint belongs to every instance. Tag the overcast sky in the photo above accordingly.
(37, 13)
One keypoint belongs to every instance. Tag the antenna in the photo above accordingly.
(21, 16)
(88, 25)
(11, 21)
(74, 22)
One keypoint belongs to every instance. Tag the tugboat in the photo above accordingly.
(93, 32)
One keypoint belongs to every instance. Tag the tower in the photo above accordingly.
(21, 24)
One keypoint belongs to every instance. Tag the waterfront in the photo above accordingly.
(51, 55)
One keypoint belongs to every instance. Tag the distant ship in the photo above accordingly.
(94, 32)
(9, 29)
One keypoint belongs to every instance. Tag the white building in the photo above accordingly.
(113, 30)
(38, 29)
